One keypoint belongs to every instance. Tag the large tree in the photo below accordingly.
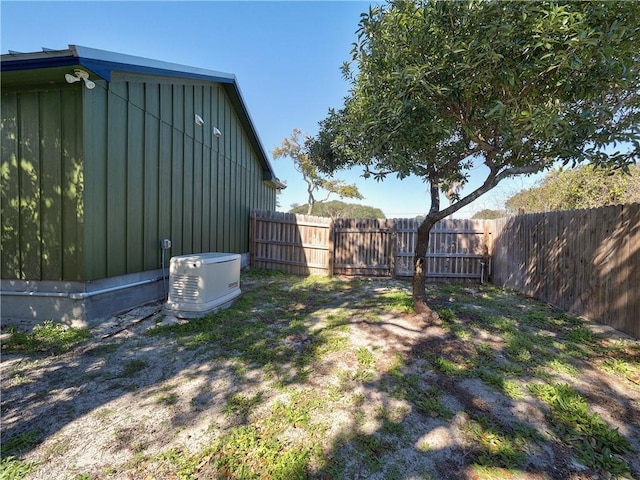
(442, 89)
(295, 147)
(581, 187)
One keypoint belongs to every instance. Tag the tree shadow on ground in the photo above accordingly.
(469, 382)
(324, 379)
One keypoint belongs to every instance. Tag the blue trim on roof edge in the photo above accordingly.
(30, 64)
(104, 68)
(134, 64)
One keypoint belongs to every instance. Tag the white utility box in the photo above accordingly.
(202, 283)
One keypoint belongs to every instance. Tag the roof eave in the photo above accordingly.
(276, 183)
(45, 59)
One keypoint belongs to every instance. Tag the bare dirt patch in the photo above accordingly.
(316, 378)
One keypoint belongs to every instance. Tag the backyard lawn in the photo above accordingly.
(330, 379)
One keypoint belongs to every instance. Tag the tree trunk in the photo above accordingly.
(419, 294)
(420, 269)
(435, 214)
(311, 201)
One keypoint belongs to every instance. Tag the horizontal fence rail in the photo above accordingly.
(458, 248)
(303, 244)
(363, 247)
(298, 244)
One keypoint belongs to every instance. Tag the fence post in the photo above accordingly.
(488, 227)
(252, 238)
(330, 255)
(392, 248)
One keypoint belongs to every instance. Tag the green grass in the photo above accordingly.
(105, 349)
(426, 399)
(392, 420)
(168, 399)
(397, 302)
(494, 447)
(539, 341)
(20, 443)
(621, 367)
(297, 411)
(595, 443)
(366, 365)
(366, 358)
(256, 450)
(132, 367)
(447, 315)
(11, 466)
(255, 332)
(451, 368)
(521, 348)
(370, 448)
(248, 454)
(47, 337)
(241, 405)
(509, 388)
(557, 366)
(429, 402)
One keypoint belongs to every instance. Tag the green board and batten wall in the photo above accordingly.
(94, 179)
(42, 183)
(176, 179)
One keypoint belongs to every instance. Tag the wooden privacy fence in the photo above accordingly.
(303, 245)
(298, 244)
(586, 262)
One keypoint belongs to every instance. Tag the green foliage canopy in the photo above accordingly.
(581, 187)
(488, 214)
(441, 89)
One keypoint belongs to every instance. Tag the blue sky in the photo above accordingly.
(285, 55)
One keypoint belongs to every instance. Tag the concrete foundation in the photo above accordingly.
(26, 303)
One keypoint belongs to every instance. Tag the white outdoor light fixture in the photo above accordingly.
(216, 133)
(78, 76)
(199, 120)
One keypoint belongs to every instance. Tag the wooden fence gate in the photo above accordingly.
(363, 247)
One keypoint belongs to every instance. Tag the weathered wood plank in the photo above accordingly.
(586, 262)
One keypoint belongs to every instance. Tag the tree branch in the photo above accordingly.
(491, 181)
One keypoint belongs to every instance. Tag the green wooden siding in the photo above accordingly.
(95, 177)
(42, 207)
(165, 177)
(93, 180)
